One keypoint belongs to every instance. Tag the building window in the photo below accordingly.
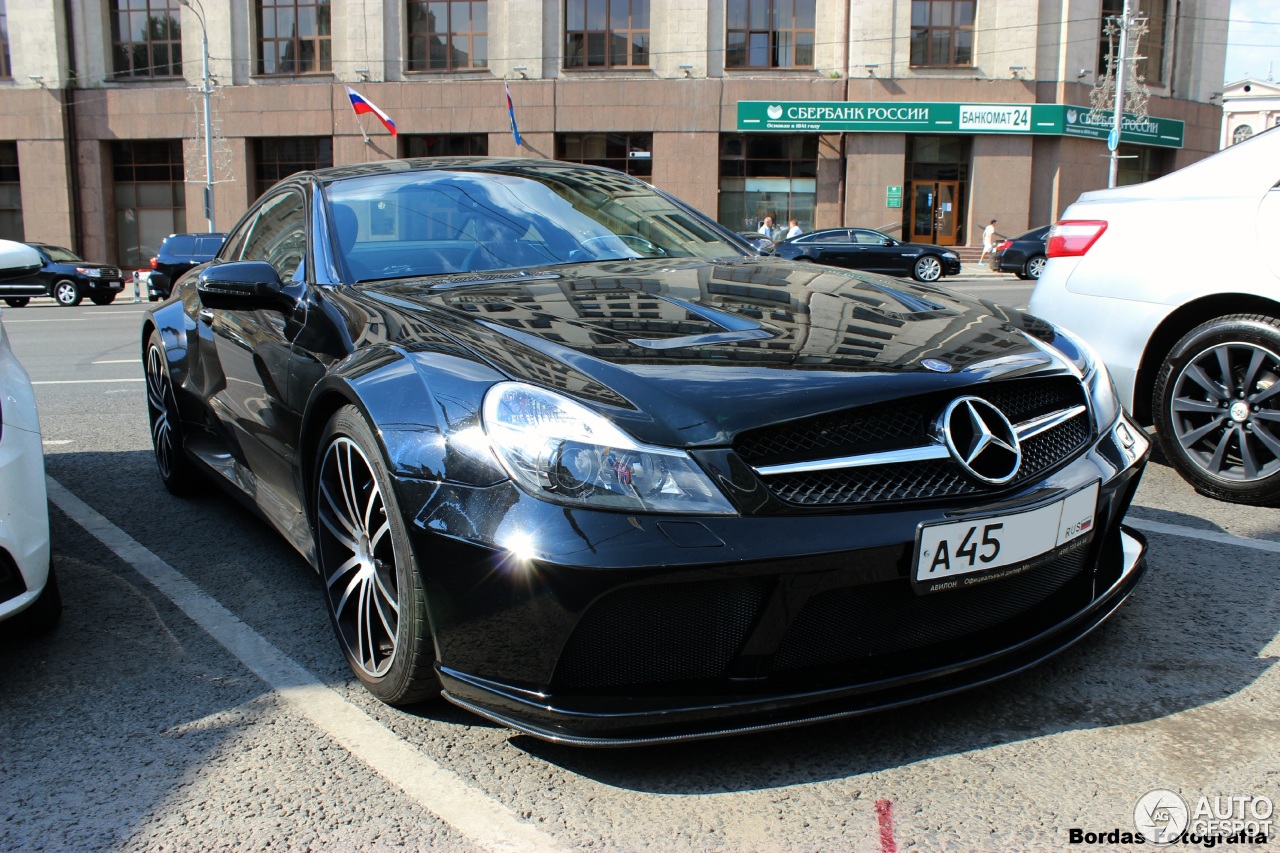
(294, 36)
(6, 70)
(942, 32)
(606, 33)
(769, 34)
(150, 198)
(446, 36)
(1241, 133)
(772, 175)
(10, 194)
(1139, 165)
(146, 38)
(627, 152)
(446, 145)
(277, 159)
(1150, 47)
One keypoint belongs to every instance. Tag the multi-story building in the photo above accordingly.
(924, 117)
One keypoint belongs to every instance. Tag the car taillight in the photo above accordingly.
(153, 263)
(1004, 244)
(1073, 237)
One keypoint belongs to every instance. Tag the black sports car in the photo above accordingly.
(1023, 255)
(564, 448)
(871, 251)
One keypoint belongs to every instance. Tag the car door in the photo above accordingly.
(874, 254)
(837, 249)
(251, 351)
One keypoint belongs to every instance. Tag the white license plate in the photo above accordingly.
(961, 553)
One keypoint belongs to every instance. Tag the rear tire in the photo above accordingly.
(1217, 408)
(17, 301)
(67, 293)
(1033, 267)
(373, 590)
(177, 472)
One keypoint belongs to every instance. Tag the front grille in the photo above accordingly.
(902, 423)
(112, 272)
(845, 625)
(667, 632)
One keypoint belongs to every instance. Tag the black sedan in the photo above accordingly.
(1023, 255)
(69, 278)
(565, 450)
(871, 251)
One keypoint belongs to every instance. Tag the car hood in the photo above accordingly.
(691, 352)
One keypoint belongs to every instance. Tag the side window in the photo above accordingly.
(279, 235)
(837, 237)
(234, 244)
(179, 244)
(207, 247)
(867, 238)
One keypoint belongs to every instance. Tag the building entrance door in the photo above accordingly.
(935, 212)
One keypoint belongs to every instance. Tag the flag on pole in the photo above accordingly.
(511, 112)
(363, 105)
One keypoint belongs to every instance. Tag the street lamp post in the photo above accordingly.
(206, 89)
(1122, 81)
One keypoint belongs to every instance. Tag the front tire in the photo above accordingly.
(67, 293)
(177, 472)
(17, 301)
(1217, 408)
(373, 590)
(927, 268)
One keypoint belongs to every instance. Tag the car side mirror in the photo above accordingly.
(887, 241)
(242, 285)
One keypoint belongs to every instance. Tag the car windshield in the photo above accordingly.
(59, 255)
(440, 221)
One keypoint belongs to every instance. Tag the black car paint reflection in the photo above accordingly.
(586, 624)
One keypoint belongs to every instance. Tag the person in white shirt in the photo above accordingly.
(988, 240)
(766, 227)
(794, 230)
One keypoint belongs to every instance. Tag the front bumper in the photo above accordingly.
(625, 630)
(950, 266)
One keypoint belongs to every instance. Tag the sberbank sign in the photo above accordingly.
(900, 117)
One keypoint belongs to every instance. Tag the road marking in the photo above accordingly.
(1207, 535)
(481, 819)
(55, 442)
(884, 817)
(119, 361)
(87, 381)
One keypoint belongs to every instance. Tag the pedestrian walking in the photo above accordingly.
(988, 240)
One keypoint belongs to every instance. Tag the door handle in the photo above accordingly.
(206, 316)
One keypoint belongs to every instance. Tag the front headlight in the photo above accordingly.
(91, 272)
(559, 450)
(950, 255)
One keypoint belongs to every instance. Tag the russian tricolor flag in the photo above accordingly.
(363, 105)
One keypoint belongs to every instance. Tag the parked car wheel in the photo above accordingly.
(374, 593)
(18, 301)
(927, 268)
(67, 293)
(41, 617)
(1033, 267)
(1217, 408)
(102, 299)
(176, 471)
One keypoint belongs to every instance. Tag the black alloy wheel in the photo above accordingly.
(1217, 408)
(67, 293)
(373, 591)
(17, 301)
(176, 470)
(927, 268)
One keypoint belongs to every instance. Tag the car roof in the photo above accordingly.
(509, 165)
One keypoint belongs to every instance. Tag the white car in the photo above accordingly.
(1176, 283)
(29, 599)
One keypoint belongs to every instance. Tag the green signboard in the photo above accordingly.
(930, 117)
(893, 196)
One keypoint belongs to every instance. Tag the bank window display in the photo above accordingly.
(11, 227)
(769, 33)
(445, 145)
(294, 36)
(276, 159)
(150, 198)
(146, 38)
(1139, 164)
(937, 177)
(767, 175)
(627, 152)
(941, 32)
(448, 36)
(6, 70)
(1150, 47)
(606, 33)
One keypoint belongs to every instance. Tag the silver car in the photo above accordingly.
(1176, 283)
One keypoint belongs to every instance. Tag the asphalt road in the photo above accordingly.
(194, 697)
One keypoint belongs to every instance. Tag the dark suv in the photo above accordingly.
(179, 253)
(68, 278)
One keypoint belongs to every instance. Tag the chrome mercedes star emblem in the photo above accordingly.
(937, 365)
(981, 439)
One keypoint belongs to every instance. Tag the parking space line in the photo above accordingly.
(86, 381)
(483, 820)
(1207, 535)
